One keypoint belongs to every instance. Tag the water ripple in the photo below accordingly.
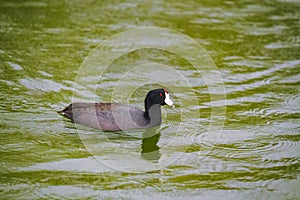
(45, 85)
(243, 77)
(292, 102)
(15, 188)
(252, 145)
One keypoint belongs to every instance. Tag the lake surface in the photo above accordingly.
(234, 133)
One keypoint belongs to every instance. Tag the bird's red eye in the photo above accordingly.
(160, 94)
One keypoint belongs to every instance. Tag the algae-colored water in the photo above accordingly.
(250, 151)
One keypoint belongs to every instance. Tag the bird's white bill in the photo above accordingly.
(168, 101)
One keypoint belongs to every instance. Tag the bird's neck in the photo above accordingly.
(153, 113)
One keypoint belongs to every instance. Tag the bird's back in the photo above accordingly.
(106, 116)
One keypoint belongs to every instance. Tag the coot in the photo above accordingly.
(116, 116)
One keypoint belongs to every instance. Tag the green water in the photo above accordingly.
(251, 151)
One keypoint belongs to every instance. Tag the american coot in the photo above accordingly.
(115, 116)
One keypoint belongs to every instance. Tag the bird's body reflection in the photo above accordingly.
(150, 150)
